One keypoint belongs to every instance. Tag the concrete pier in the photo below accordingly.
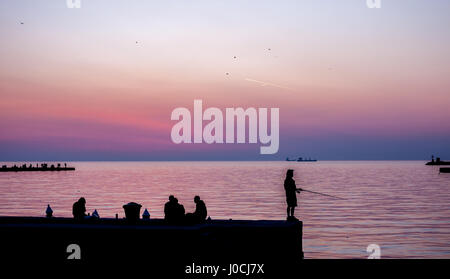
(276, 244)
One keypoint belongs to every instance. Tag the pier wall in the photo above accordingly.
(152, 242)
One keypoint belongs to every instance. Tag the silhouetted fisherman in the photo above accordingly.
(79, 209)
(200, 212)
(291, 194)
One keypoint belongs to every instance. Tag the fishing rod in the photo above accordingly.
(320, 194)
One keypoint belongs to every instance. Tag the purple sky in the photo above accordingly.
(100, 82)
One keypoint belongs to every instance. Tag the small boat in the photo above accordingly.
(438, 162)
(444, 170)
(441, 163)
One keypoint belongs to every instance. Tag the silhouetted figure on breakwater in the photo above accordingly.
(79, 209)
(173, 211)
(179, 211)
(200, 212)
(291, 194)
(169, 209)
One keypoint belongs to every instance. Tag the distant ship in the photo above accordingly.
(438, 162)
(300, 159)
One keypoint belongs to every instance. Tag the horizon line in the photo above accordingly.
(325, 160)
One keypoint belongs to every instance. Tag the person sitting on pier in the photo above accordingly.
(291, 197)
(200, 212)
(173, 211)
(179, 211)
(169, 208)
(79, 209)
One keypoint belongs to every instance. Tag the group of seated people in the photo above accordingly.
(173, 211)
(43, 166)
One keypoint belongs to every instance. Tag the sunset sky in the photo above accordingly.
(100, 82)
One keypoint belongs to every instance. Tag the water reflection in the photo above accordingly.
(401, 206)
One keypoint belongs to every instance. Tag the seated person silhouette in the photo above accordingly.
(179, 211)
(200, 212)
(79, 209)
(169, 209)
(173, 211)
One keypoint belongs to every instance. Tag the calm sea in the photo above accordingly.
(402, 206)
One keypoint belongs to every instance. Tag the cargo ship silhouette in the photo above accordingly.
(300, 159)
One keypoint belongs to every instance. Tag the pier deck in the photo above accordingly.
(274, 243)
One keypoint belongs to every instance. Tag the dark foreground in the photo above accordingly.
(152, 248)
(273, 245)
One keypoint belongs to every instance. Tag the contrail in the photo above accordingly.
(263, 83)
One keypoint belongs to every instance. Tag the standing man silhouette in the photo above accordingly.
(291, 194)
